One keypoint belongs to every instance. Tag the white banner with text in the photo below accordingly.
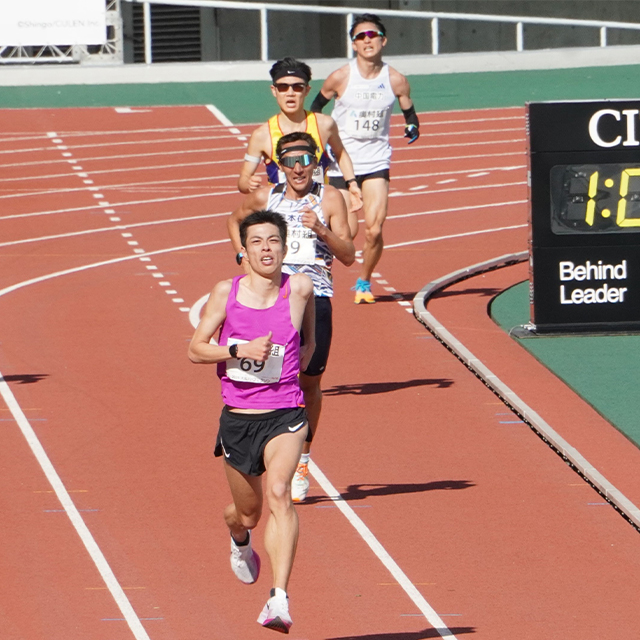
(47, 22)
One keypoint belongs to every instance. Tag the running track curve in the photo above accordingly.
(454, 519)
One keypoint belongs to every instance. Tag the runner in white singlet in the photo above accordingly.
(365, 91)
(363, 116)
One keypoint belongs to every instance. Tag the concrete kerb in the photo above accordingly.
(549, 435)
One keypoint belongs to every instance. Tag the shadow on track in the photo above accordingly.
(370, 388)
(409, 635)
(363, 491)
(486, 292)
(28, 378)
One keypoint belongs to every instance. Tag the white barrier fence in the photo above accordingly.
(434, 17)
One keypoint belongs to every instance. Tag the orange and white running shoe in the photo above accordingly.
(300, 483)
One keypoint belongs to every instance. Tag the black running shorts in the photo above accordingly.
(324, 333)
(242, 437)
(339, 183)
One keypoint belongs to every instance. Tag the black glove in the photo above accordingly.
(412, 132)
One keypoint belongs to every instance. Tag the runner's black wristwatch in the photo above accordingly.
(239, 257)
(233, 350)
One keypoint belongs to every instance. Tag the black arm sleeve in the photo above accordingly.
(319, 102)
(410, 116)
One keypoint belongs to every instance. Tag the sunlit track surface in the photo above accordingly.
(112, 227)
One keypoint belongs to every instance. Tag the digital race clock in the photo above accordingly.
(584, 176)
(601, 198)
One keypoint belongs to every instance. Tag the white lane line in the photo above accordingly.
(118, 204)
(225, 121)
(128, 156)
(455, 235)
(469, 132)
(127, 170)
(520, 118)
(473, 156)
(456, 189)
(120, 227)
(104, 263)
(136, 132)
(416, 597)
(459, 144)
(72, 512)
(468, 209)
(119, 143)
(111, 187)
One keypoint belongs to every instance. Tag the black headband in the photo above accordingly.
(296, 73)
(306, 149)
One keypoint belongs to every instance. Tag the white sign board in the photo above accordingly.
(59, 22)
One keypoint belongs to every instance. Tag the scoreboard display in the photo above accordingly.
(584, 182)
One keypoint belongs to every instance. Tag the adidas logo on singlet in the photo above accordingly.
(380, 86)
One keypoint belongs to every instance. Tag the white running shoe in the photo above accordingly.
(300, 483)
(275, 614)
(245, 562)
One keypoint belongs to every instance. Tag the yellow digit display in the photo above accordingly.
(591, 204)
(621, 218)
(602, 198)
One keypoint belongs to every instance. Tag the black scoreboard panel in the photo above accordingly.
(584, 162)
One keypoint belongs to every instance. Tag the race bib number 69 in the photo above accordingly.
(247, 370)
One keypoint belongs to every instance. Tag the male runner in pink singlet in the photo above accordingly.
(263, 425)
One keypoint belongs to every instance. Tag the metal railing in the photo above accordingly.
(434, 17)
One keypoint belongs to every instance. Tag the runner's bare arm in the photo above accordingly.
(255, 201)
(256, 150)
(201, 351)
(336, 234)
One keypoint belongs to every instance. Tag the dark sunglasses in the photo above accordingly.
(367, 34)
(283, 87)
(304, 159)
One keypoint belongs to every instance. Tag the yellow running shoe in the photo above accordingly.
(363, 292)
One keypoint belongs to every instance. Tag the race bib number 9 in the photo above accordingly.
(247, 370)
(301, 246)
(365, 124)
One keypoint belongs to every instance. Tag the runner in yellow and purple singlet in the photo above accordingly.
(290, 87)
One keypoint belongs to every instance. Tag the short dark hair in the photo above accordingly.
(297, 136)
(290, 67)
(367, 17)
(265, 216)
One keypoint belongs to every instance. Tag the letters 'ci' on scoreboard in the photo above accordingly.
(584, 162)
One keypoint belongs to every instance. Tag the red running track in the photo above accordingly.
(112, 227)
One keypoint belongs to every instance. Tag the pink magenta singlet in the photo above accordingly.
(273, 384)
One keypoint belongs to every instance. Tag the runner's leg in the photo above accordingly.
(312, 391)
(245, 510)
(281, 457)
(375, 193)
